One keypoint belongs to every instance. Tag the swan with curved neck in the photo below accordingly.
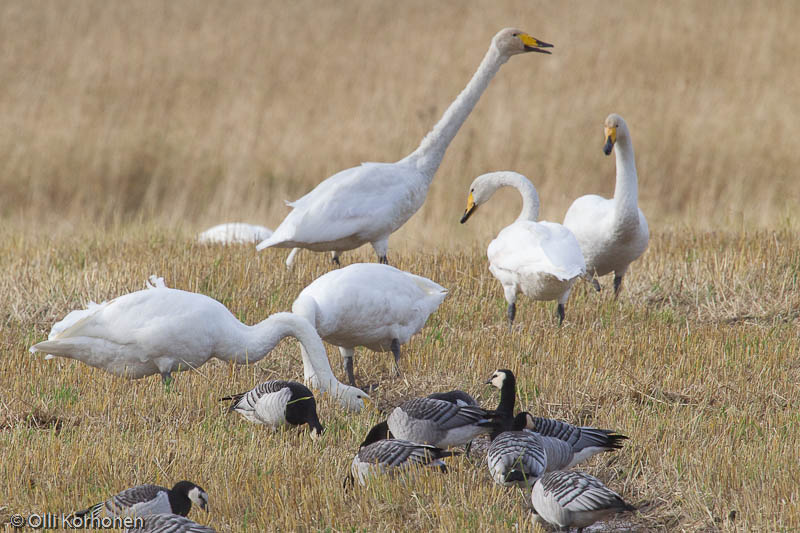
(161, 330)
(366, 204)
(539, 259)
(612, 232)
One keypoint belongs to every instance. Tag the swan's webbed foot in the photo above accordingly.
(560, 312)
(596, 285)
(512, 312)
(395, 347)
(617, 285)
(335, 258)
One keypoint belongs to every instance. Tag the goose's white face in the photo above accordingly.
(497, 379)
(199, 498)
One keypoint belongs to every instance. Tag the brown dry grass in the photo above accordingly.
(191, 112)
(128, 126)
(697, 363)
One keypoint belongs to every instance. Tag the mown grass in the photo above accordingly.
(696, 362)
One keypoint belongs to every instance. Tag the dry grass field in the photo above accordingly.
(127, 127)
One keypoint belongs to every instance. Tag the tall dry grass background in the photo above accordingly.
(129, 126)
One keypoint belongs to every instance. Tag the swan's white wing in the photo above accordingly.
(361, 203)
(589, 211)
(234, 233)
(537, 247)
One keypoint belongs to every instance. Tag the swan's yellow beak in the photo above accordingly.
(532, 44)
(611, 138)
(470, 208)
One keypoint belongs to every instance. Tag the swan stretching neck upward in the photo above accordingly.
(161, 330)
(366, 204)
(612, 233)
(539, 259)
(370, 305)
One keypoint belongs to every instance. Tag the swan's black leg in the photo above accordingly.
(395, 347)
(512, 312)
(596, 285)
(382, 260)
(560, 312)
(335, 259)
(617, 285)
(348, 368)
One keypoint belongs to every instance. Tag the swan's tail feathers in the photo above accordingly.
(68, 347)
(291, 258)
(266, 243)
(155, 282)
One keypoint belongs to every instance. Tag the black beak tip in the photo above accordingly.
(536, 49)
(607, 148)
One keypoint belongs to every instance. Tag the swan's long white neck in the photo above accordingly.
(530, 198)
(428, 156)
(255, 342)
(626, 192)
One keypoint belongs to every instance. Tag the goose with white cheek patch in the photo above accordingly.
(439, 423)
(366, 204)
(168, 523)
(143, 500)
(370, 305)
(582, 442)
(161, 330)
(275, 403)
(574, 499)
(379, 454)
(613, 233)
(541, 260)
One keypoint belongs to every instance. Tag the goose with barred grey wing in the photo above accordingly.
(168, 523)
(148, 499)
(275, 403)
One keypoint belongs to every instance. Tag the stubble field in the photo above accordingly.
(128, 127)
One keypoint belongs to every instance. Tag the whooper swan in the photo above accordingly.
(612, 233)
(234, 233)
(366, 304)
(161, 330)
(366, 204)
(542, 260)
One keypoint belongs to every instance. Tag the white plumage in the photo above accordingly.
(539, 259)
(366, 204)
(574, 499)
(161, 330)
(612, 232)
(234, 233)
(370, 305)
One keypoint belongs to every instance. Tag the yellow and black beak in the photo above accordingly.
(532, 44)
(471, 207)
(611, 138)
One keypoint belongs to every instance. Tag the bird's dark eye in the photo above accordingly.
(515, 35)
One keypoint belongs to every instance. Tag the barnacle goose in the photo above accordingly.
(438, 422)
(458, 397)
(584, 441)
(379, 454)
(148, 499)
(168, 523)
(574, 499)
(277, 402)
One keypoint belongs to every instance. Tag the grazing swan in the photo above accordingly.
(439, 423)
(276, 402)
(612, 233)
(366, 204)
(370, 305)
(379, 454)
(574, 499)
(143, 500)
(161, 330)
(168, 523)
(539, 259)
(234, 233)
